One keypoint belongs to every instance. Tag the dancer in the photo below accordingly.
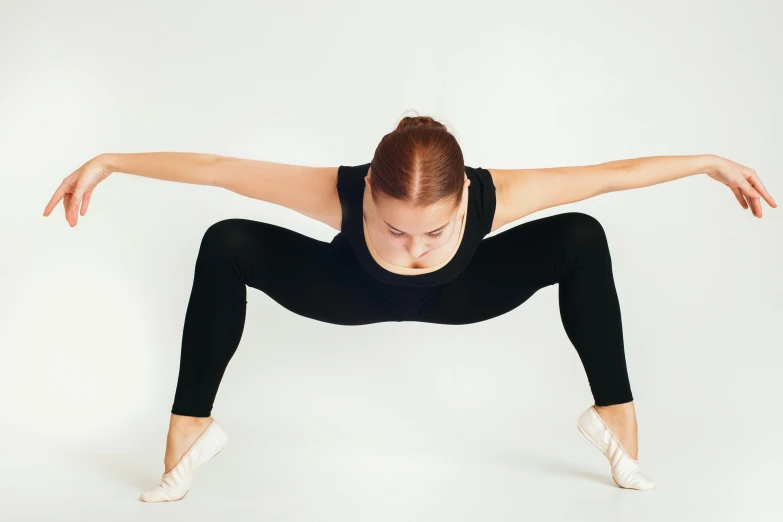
(410, 246)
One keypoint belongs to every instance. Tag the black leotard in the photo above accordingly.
(478, 223)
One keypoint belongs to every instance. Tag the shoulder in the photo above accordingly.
(520, 192)
(305, 189)
(512, 193)
(484, 193)
(351, 176)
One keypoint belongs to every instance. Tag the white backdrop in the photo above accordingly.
(394, 421)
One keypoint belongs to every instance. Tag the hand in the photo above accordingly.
(744, 182)
(76, 189)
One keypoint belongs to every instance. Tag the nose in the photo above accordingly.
(417, 249)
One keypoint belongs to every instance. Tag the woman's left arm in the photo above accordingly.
(524, 191)
(642, 172)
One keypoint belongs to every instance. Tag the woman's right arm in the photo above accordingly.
(311, 191)
(183, 167)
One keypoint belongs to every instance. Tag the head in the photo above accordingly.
(417, 182)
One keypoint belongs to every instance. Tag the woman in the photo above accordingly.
(410, 247)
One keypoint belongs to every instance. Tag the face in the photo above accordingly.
(418, 230)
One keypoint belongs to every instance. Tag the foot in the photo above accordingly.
(605, 431)
(183, 432)
(621, 419)
(203, 439)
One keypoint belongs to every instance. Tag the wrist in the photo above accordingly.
(711, 163)
(107, 162)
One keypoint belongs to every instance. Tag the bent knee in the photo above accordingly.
(584, 229)
(227, 235)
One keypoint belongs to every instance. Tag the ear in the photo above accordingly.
(467, 181)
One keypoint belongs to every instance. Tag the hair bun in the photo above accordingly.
(419, 121)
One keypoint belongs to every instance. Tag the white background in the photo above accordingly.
(394, 421)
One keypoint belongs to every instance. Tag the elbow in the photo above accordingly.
(212, 165)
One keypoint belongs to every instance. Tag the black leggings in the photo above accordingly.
(324, 281)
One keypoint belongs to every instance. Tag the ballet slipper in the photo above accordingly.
(176, 483)
(625, 470)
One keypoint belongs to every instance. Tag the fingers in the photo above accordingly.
(756, 205)
(738, 194)
(75, 204)
(66, 206)
(58, 195)
(71, 202)
(86, 202)
(760, 188)
(76, 200)
(752, 196)
(71, 209)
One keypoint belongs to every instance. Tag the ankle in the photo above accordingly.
(618, 419)
(182, 422)
(617, 410)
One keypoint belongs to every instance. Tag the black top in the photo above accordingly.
(478, 223)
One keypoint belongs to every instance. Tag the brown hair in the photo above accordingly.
(419, 162)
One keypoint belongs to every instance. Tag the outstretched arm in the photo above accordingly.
(524, 191)
(311, 191)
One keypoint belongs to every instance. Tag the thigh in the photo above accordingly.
(311, 278)
(509, 267)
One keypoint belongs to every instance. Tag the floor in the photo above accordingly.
(537, 467)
